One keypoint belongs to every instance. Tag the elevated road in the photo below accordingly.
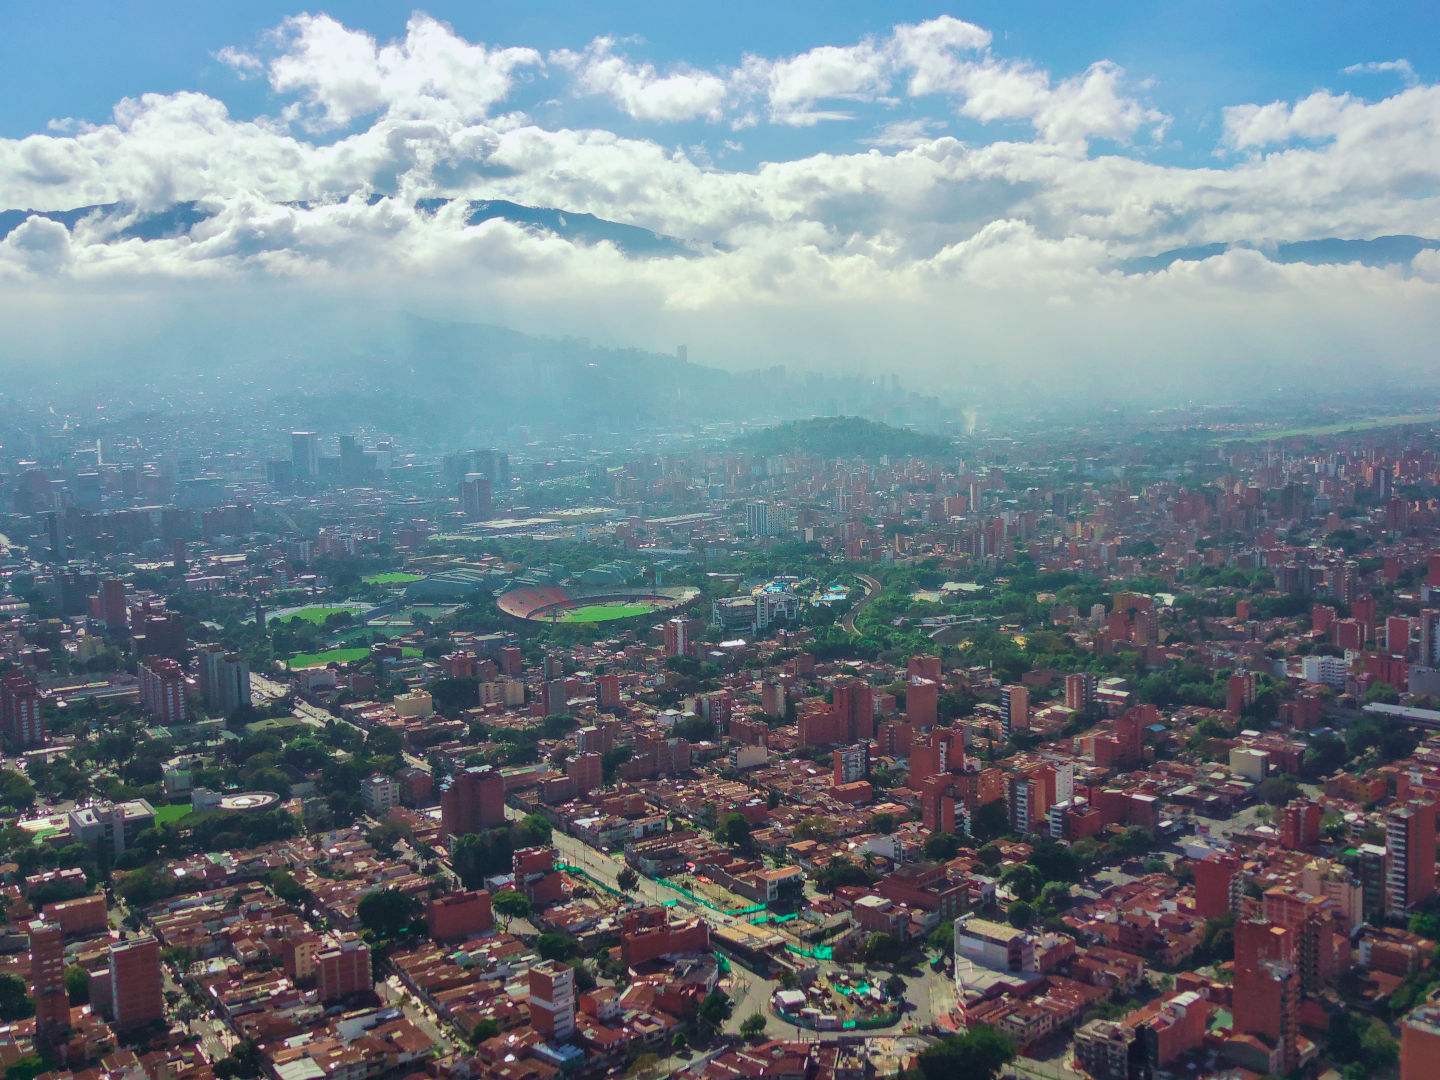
(872, 590)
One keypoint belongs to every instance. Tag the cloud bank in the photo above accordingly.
(972, 218)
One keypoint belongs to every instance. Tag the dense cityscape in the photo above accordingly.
(826, 749)
(719, 541)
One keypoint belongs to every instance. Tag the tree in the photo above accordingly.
(895, 987)
(1136, 840)
(483, 1030)
(284, 885)
(715, 1010)
(1086, 851)
(477, 855)
(305, 754)
(883, 822)
(16, 792)
(942, 938)
(1277, 790)
(1378, 1049)
(1055, 896)
(554, 946)
(1020, 914)
(388, 912)
(733, 829)
(26, 1067)
(511, 904)
(841, 871)
(450, 695)
(15, 1004)
(244, 1061)
(678, 1043)
(882, 948)
(991, 820)
(991, 856)
(1023, 880)
(384, 742)
(1426, 924)
(979, 1054)
(1217, 939)
(535, 830)
(627, 880)
(77, 985)
(1055, 861)
(941, 847)
(752, 1025)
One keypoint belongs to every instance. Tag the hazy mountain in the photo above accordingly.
(341, 365)
(177, 220)
(1382, 251)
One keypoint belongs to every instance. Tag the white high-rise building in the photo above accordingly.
(757, 518)
(305, 454)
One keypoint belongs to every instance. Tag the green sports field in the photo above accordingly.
(316, 615)
(605, 612)
(1340, 428)
(395, 577)
(167, 815)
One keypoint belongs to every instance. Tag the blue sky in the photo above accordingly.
(77, 59)
(856, 182)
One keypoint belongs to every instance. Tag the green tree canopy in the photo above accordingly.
(388, 912)
(979, 1054)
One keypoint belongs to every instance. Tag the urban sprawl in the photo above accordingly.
(329, 758)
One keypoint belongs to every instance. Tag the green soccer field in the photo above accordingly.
(316, 615)
(605, 612)
(395, 577)
(168, 815)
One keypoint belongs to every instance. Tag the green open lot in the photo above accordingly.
(1337, 429)
(168, 815)
(605, 612)
(316, 615)
(340, 656)
(395, 577)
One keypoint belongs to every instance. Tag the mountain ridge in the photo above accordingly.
(179, 218)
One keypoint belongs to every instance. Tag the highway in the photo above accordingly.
(930, 993)
(872, 590)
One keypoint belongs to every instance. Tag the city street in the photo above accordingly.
(393, 992)
(605, 868)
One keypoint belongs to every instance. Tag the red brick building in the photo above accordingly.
(135, 983)
(342, 968)
(459, 915)
(654, 932)
(475, 800)
(78, 917)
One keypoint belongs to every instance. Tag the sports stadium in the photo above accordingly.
(561, 604)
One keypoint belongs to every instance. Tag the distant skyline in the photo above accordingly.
(950, 193)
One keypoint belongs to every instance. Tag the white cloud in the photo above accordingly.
(342, 75)
(903, 133)
(929, 52)
(639, 90)
(829, 73)
(37, 246)
(244, 64)
(944, 56)
(1401, 67)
